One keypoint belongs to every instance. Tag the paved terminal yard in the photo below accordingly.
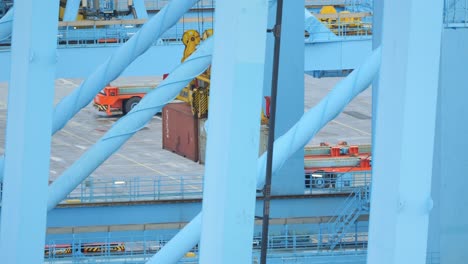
(143, 154)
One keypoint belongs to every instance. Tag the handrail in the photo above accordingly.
(149, 244)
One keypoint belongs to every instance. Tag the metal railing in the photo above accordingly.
(136, 189)
(332, 183)
(342, 29)
(355, 205)
(121, 33)
(118, 247)
(155, 188)
(294, 248)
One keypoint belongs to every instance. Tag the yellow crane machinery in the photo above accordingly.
(344, 22)
(191, 39)
(196, 94)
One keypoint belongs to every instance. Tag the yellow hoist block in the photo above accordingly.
(191, 39)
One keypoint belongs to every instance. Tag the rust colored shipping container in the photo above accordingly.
(180, 130)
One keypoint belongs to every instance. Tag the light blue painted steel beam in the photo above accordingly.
(6, 23)
(140, 9)
(183, 242)
(404, 132)
(30, 105)
(116, 64)
(378, 6)
(336, 55)
(74, 62)
(71, 10)
(297, 137)
(229, 189)
(318, 56)
(317, 30)
(127, 126)
(290, 95)
(448, 233)
(180, 212)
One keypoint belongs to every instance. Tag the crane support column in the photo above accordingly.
(448, 233)
(234, 128)
(290, 104)
(28, 138)
(405, 132)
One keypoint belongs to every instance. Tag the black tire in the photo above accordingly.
(130, 104)
(319, 182)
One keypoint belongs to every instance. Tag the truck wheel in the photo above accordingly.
(318, 179)
(130, 104)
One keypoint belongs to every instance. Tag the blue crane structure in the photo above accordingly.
(416, 69)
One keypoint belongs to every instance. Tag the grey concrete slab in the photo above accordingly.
(143, 154)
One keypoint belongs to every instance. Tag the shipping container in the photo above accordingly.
(263, 142)
(180, 130)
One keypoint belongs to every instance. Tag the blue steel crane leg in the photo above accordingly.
(30, 104)
(6, 23)
(229, 189)
(290, 95)
(71, 10)
(118, 62)
(377, 20)
(296, 138)
(131, 123)
(448, 235)
(404, 132)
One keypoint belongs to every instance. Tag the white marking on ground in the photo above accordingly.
(353, 128)
(56, 158)
(80, 147)
(68, 82)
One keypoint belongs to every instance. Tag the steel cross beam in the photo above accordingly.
(30, 105)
